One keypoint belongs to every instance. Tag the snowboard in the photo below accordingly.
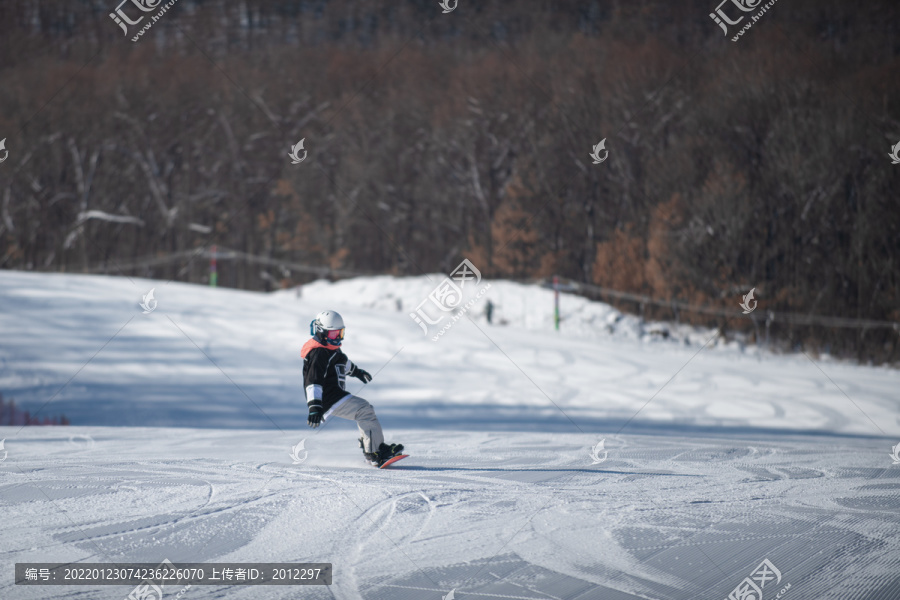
(392, 460)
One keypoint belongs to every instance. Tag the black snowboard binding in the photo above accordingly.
(388, 451)
(384, 454)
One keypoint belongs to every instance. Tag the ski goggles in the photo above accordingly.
(335, 334)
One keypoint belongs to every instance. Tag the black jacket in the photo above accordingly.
(325, 370)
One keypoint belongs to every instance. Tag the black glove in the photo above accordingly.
(362, 375)
(315, 416)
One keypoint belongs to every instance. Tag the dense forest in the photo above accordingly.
(431, 137)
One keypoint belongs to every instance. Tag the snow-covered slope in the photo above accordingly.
(713, 460)
(494, 515)
(226, 358)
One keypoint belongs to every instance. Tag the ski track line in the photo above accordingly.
(209, 496)
(375, 523)
(342, 557)
(105, 481)
(518, 585)
(424, 478)
(432, 509)
(350, 558)
(188, 518)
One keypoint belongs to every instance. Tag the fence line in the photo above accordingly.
(227, 254)
(583, 289)
(768, 316)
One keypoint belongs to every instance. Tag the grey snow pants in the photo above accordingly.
(358, 409)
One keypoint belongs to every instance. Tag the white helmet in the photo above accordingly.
(328, 328)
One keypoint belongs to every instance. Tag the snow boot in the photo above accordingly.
(387, 452)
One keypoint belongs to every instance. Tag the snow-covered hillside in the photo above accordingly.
(714, 458)
(226, 358)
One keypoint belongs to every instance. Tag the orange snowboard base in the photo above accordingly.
(392, 460)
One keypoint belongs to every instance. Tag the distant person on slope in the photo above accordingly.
(325, 369)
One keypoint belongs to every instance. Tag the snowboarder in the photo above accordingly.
(325, 369)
